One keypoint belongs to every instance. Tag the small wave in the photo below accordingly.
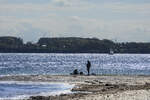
(22, 97)
(22, 90)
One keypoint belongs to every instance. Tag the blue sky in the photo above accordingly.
(124, 20)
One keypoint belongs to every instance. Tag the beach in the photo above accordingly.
(105, 87)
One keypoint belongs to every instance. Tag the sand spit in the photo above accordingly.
(93, 87)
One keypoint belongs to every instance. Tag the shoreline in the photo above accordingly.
(89, 87)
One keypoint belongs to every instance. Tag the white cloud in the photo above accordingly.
(62, 2)
(127, 22)
(75, 18)
(120, 7)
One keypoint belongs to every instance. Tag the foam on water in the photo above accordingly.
(21, 90)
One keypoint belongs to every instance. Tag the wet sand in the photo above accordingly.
(93, 87)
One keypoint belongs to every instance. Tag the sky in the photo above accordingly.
(118, 20)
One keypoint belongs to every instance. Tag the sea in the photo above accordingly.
(63, 64)
(13, 90)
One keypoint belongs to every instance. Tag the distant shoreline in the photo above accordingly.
(71, 45)
(64, 53)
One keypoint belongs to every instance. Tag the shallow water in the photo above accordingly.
(17, 64)
(20, 90)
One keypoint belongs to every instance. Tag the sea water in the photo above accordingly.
(64, 64)
(54, 64)
(23, 90)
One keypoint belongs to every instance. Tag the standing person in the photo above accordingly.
(88, 66)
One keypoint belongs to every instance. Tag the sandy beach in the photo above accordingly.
(93, 87)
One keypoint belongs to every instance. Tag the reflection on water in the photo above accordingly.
(12, 64)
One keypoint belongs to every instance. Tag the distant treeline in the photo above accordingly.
(70, 45)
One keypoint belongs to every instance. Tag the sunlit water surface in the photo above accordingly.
(130, 64)
(22, 90)
(41, 64)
